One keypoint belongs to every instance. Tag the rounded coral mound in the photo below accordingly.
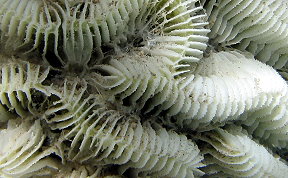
(143, 88)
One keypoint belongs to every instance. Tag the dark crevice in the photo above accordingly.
(62, 112)
(151, 112)
(107, 49)
(67, 143)
(52, 75)
(50, 55)
(283, 153)
(55, 157)
(53, 59)
(38, 99)
(138, 42)
(56, 131)
(102, 72)
(47, 142)
(96, 57)
(126, 101)
(130, 173)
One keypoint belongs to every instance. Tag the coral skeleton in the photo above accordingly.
(143, 88)
(233, 152)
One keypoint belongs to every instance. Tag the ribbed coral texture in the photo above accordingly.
(143, 88)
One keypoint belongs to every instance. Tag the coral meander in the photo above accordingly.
(143, 88)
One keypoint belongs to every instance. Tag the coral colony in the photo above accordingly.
(143, 88)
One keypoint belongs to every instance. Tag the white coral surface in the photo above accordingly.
(143, 88)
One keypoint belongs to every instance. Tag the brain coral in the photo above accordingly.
(143, 88)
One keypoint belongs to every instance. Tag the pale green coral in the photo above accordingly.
(127, 88)
(259, 27)
(232, 153)
(73, 30)
(22, 151)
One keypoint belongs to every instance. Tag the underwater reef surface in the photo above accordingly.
(143, 88)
